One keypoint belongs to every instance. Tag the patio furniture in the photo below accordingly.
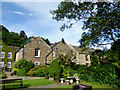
(62, 80)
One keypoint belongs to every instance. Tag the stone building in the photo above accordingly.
(41, 53)
(81, 56)
(63, 48)
(7, 55)
(36, 51)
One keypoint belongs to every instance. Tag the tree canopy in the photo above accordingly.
(101, 20)
(11, 38)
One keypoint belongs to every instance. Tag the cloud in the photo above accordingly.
(18, 12)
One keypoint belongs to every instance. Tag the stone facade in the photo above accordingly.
(62, 48)
(45, 53)
(36, 51)
(82, 57)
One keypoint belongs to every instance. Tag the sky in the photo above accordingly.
(36, 20)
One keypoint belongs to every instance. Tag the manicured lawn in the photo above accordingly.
(37, 82)
(94, 85)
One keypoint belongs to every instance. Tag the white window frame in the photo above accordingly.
(36, 64)
(3, 55)
(1, 64)
(9, 64)
(38, 53)
(53, 53)
(10, 55)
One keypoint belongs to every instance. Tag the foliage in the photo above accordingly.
(104, 73)
(107, 74)
(7, 49)
(39, 72)
(15, 70)
(46, 40)
(2, 75)
(11, 38)
(55, 69)
(35, 70)
(22, 63)
(101, 20)
(21, 72)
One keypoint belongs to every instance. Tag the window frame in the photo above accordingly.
(10, 55)
(36, 62)
(3, 54)
(38, 52)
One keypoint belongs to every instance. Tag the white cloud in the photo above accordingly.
(18, 12)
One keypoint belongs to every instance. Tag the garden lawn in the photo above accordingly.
(38, 82)
(94, 85)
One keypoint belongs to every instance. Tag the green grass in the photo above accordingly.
(32, 82)
(94, 85)
(38, 82)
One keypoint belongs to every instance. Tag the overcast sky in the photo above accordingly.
(36, 20)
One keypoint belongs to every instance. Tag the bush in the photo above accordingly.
(85, 73)
(32, 72)
(39, 72)
(2, 75)
(107, 73)
(22, 63)
(21, 72)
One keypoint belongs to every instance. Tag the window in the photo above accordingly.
(2, 54)
(63, 53)
(38, 42)
(37, 52)
(36, 63)
(1, 64)
(47, 50)
(9, 55)
(1, 46)
(53, 54)
(9, 65)
(86, 57)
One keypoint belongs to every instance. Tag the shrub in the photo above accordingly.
(3, 75)
(15, 70)
(22, 63)
(107, 73)
(21, 72)
(85, 73)
(32, 72)
(39, 72)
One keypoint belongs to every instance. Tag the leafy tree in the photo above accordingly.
(23, 34)
(46, 40)
(11, 38)
(101, 20)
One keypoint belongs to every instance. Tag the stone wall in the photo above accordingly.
(29, 51)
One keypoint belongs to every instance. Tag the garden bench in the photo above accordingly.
(11, 82)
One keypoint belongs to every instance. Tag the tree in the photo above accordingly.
(23, 35)
(101, 20)
(11, 38)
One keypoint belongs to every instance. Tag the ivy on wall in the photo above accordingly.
(7, 49)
